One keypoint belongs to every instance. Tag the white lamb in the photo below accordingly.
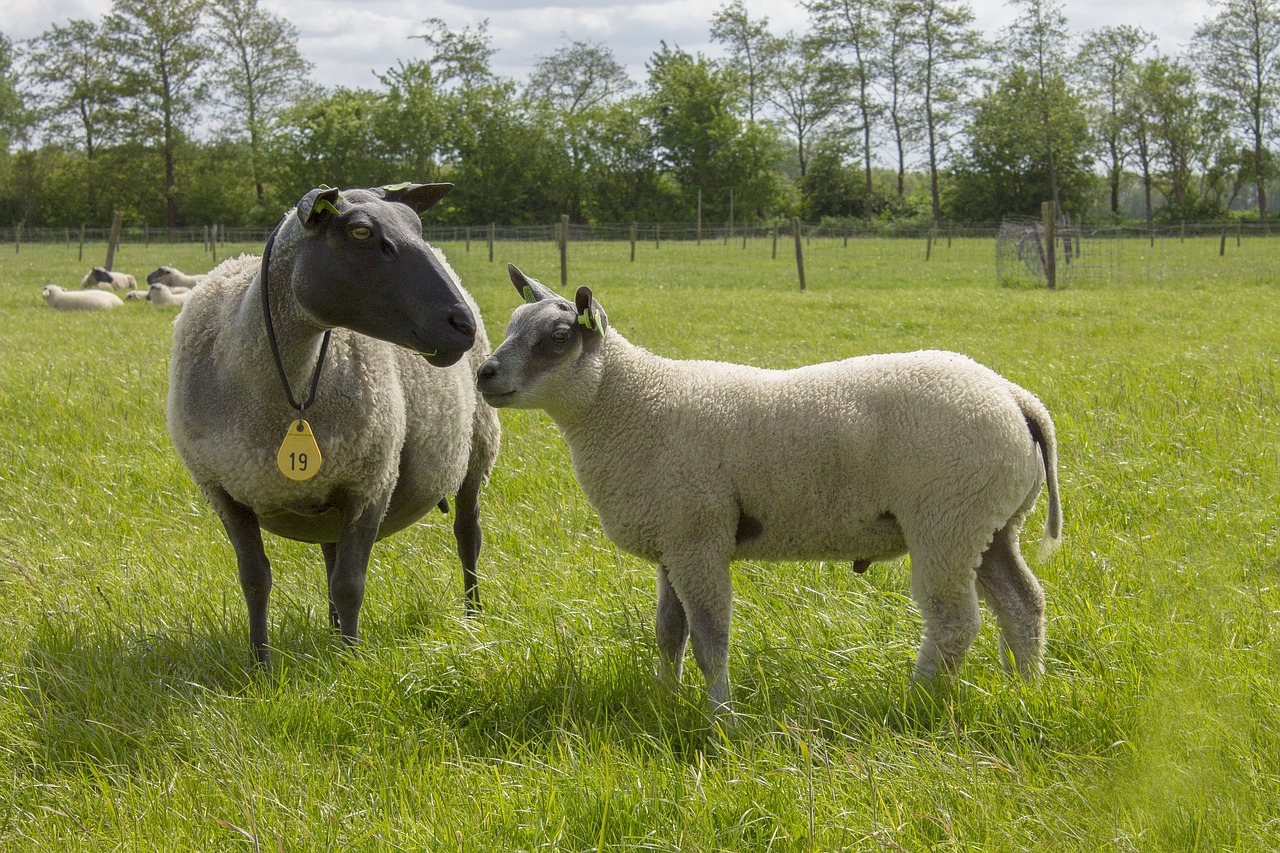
(173, 277)
(162, 296)
(350, 307)
(692, 464)
(105, 279)
(79, 300)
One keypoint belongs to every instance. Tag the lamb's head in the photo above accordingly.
(548, 341)
(361, 262)
(101, 275)
(160, 274)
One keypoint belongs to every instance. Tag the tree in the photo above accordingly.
(14, 116)
(753, 50)
(1109, 59)
(161, 60)
(855, 28)
(806, 91)
(412, 119)
(1238, 53)
(904, 130)
(1037, 41)
(258, 72)
(459, 55)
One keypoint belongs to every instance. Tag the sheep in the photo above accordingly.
(173, 277)
(692, 464)
(162, 296)
(105, 279)
(350, 300)
(79, 300)
(137, 296)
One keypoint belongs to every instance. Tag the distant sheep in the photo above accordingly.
(173, 277)
(351, 307)
(693, 464)
(79, 300)
(105, 279)
(167, 297)
(137, 295)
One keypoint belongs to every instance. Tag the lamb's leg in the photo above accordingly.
(466, 531)
(707, 595)
(944, 590)
(1015, 595)
(254, 568)
(672, 631)
(330, 551)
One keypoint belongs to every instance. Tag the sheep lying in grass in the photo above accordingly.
(105, 279)
(692, 464)
(162, 296)
(78, 300)
(137, 296)
(350, 301)
(173, 277)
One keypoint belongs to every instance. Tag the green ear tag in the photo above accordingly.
(299, 455)
(527, 291)
(589, 319)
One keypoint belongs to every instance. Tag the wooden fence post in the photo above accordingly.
(635, 226)
(564, 249)
(1222, 246)
(1049, 212)
(81, 256)
(775, 241)
(117, 217)
(795, 223)
(17, 238)
(492, 229)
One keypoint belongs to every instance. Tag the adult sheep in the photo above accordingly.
(692, 464)
(173, 277)
(78, 300)
(105, 279)
(349, 305)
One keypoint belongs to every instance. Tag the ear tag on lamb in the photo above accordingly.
(528, 294)
(299, 455)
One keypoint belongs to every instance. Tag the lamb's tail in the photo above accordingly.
(1040, 425)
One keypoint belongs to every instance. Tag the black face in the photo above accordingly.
(157, 274)
(364, 266)
(100, 274)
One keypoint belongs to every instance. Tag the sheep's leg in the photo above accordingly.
(672, 632)
(330, 551)
(946, 594)
(466, 531)
(707, 595)
(254, 568)
(1015, 595)
(351, 565)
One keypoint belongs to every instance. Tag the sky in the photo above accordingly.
(350, 42)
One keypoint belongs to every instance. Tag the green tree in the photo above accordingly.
(1009, 166)
(807, 90)
(158, 45)
(258, 72)
(1109, 59)
(1238, 54)
(412, 120)
(330, 138)
(753, 51)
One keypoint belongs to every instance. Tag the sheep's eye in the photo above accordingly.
(560, 335)
(360, 232)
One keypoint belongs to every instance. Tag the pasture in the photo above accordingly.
(130, 718)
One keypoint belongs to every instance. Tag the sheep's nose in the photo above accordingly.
(488, 370)
(463, 322)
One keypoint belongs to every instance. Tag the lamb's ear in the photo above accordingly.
(530, 290)
(418, 196)
(590, 314)
(317, 205)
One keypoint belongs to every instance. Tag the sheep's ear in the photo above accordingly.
(530, 290)
(418, 196)
(318, 205)
(590, 314)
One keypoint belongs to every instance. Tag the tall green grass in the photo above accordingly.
(130, 719)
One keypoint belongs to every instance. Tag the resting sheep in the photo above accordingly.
(78, 300)
(351, 307)
(105, 279)
(162, 296)
(137, 296)
(173, 277)
(692, 464)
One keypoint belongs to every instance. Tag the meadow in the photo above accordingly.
(130, 717)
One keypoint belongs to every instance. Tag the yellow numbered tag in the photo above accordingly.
(299, 456)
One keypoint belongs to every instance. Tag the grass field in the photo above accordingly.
(130, 719)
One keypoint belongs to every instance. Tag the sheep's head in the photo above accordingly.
(546, 340)
(159, 274)
(101, 274)
(362, 264)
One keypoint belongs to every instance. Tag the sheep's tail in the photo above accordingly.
(1040, 425)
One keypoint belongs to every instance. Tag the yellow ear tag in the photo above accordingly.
(299, 456)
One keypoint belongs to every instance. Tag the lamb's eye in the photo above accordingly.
(560, 335)
(360, 232)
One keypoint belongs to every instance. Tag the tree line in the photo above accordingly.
(186, 112)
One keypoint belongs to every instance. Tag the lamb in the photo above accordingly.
(162, 296)
(105, 279)
(137, 296)
(79, 300)
(173, 277)
(350, 305)
(692, 464)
